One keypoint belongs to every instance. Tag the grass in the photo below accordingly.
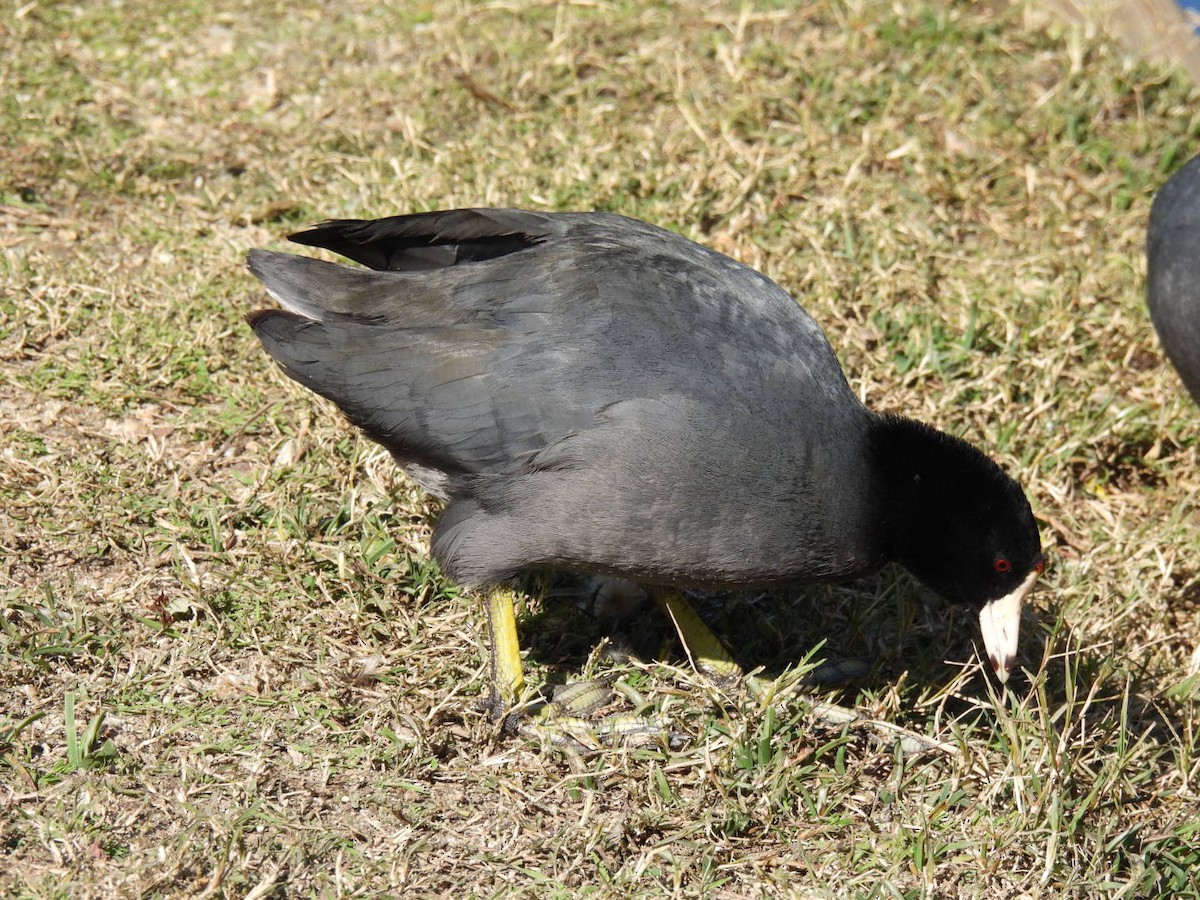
(228, 666)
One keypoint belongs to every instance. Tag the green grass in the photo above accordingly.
(228, 666)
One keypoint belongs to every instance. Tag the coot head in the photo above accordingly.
(961, 526)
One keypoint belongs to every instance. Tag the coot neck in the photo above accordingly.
(918, 475)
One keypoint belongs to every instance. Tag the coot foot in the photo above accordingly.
(563, 721)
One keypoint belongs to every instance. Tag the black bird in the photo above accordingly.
(1173, 271)
(591, 393)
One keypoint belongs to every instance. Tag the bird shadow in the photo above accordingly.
(887, 627)
(902, 634)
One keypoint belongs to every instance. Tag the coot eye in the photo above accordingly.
(1002, 565)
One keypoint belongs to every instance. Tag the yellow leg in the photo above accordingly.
(705, 650)
(508, 677)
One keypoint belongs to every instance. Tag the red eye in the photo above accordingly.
(1002, 565)
(1040, 567)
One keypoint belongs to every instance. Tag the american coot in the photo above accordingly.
(591, 393)
(1173, 271)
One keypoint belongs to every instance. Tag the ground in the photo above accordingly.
(228, 666)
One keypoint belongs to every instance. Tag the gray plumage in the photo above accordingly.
(592, 393)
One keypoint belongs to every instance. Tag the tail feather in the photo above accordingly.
(317, 289)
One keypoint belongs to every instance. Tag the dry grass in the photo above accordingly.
(228, 668)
